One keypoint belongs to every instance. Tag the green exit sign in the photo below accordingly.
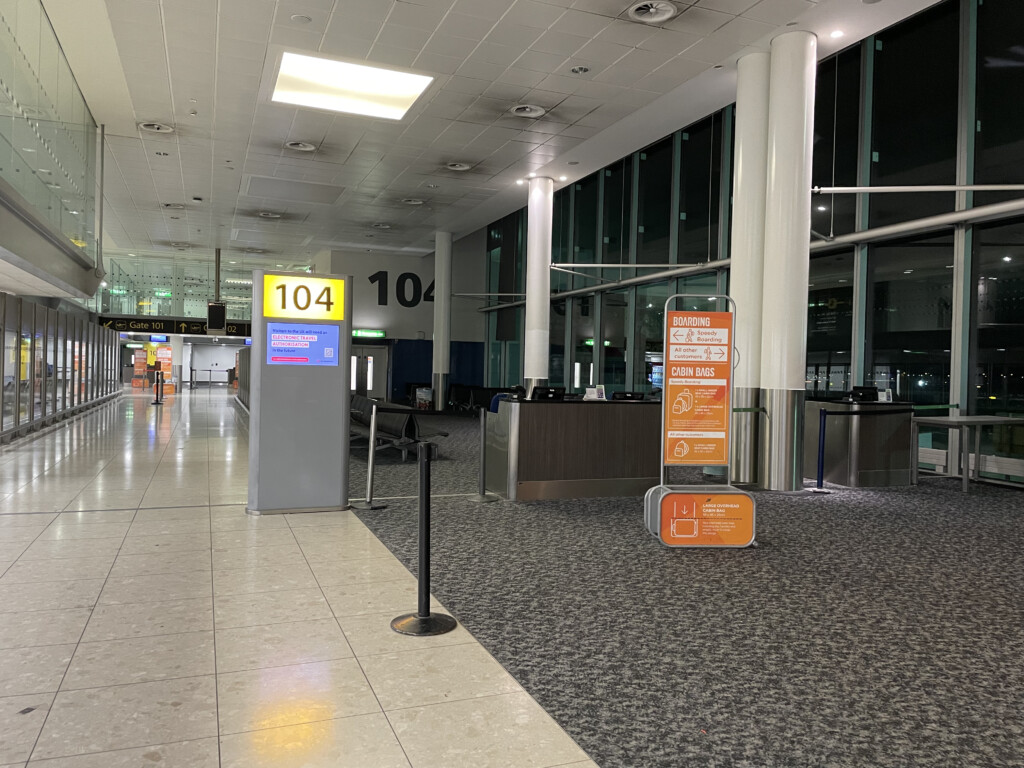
(163, 294)
(367, 333)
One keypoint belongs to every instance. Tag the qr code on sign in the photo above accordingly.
(328, 352)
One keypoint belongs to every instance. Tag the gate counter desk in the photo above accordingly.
(573, 449)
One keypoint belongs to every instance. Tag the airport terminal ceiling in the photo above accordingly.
(224, 176)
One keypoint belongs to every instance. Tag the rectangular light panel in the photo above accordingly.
(308, 81)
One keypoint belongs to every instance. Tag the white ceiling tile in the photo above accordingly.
(449, 45)
(577, 22)
(438, 64)
(505, 33)
(533, 14)
(626, 33)
(467, 85)
(396, 57)
(492, 53)
(404, 37)
(698, 21)
(745, 31)
(485, 9)
(469, 27)
(415, 15)
(540, 62)
(525, 77)
(669, 41)
(735, 7)
(603, 53)
(713, 49)
(560, 43)
(482, 70)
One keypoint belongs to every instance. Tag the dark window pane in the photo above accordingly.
(915, 113)
(560, 239)
(910, 310)
(836, 129)
(614, 310)
(829, 325)
(655, 203)
(998, 353)
(556, 350)
(999, 147)
(650, 336)
(582, 343)
(700, 183)
(618, 185)
(585, 226)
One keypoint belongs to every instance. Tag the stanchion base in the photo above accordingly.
(485, 499)
(414, 624)
(157, 402)
(366, 506)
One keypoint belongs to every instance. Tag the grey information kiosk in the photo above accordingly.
(299, 393)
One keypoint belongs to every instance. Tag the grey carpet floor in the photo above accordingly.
(869, 628)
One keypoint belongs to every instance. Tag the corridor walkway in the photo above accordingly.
(145, 619)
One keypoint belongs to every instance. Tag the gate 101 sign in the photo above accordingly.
(698, 367)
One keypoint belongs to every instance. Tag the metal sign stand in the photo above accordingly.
(695, 357)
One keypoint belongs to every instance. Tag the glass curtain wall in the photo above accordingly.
(654, 203)
(700, 191)
(914, 101)
(910, 319)
(586, 195)
(556, 362)
(836, 127)
(830, 325)
(614, 319)
(999, 144)
(649, 336)
(34, 367)
(617, 215)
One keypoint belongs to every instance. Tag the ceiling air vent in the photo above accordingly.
(300, 146)
(155, 128)
(457, 166)
(653, 12)
(174, 206)
(528, 110)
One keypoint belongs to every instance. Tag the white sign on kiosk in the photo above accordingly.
(299, 393)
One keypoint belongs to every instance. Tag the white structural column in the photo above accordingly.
(786, 256)
(746, 274)
(442, 316)
(539, 214)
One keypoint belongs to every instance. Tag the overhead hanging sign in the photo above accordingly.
(697, 375)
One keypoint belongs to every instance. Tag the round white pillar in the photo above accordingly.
(442, 317)
(540, 208)
(786, 257)
(746, 274)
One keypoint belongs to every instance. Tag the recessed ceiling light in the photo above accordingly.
(174, 206)
(908, 271)
(179, 245)
(337, 86)
(836, 34)
(822, 207)
(156, 128)
(573, 162)
(381, 225)
(717, 66)
(562, 178)
(531, 111)
(298, 146)
(163, 154)
(254, 250)
(269, 215)
(580, 69)
(431, 186)
(519, 181)
(232, 262)
(1007, 258)
(531, 175)
(280, 266)
(300, 18)
(458, 166)
(412, 201)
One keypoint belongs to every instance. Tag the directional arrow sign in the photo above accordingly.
(183, 327)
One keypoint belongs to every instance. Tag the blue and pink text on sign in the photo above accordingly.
(302, 344)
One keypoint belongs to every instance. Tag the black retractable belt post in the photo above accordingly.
(158, 389)
(482, 495)
(423, 622)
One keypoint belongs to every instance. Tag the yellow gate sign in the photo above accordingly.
(303, 297)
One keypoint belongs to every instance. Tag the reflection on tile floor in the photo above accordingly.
(143, 615)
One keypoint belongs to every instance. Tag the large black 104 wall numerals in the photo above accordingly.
(408, 289)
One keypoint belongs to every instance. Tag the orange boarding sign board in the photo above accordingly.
(697, 390)
(706, 519)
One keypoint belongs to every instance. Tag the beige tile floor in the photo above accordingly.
(145, 619)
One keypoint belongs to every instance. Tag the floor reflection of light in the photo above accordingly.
(307, 732)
